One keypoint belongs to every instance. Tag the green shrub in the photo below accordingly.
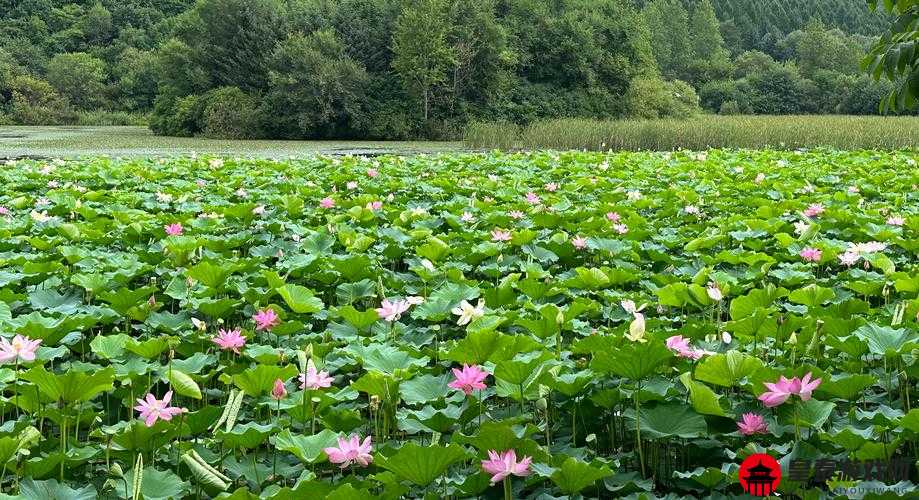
(34, 102)
(713, 95)
(863, 95)
(729, 108)
(781, 90)
(177, 116)
(229, 113)
(650, 97)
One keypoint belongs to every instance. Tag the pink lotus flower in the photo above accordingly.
(372, 172)
(613, 216)
(501, 465)
(266, 319)
(532, 198)
(351, 185)
(551, 187)
(350, 451)
(848, 259)
(392, 311)
(760, 177)
(814, 210)
(20, 349)
(467, 217)
(374, 205)
(896, 220)
(278, 392)
(500, 235)
(515, 214)
(153, 409)
(314, 379)
(468, 379)
(621, 228)
(807, 386)
(231, 340)
(174, 229)
(752, 424)
(579, 242)
(811, 254)
(327, 202)
(680, 345)
(677, 343)
(780, 391)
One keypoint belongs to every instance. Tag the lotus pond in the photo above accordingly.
(531, 325)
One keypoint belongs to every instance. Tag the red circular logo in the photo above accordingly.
(760, 475)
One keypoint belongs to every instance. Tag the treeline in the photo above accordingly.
(399, 69)
(815, 69)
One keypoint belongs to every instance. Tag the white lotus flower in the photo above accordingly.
(637, 329)
(468, 313)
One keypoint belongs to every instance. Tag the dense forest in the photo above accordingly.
(424, 68)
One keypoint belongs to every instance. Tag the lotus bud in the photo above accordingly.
(374, 402)
(541, 404)
(116, 470)
(590, 438)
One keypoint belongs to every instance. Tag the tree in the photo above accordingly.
(135, 75)
(232, 40)
(79, 77)
(423, 55)
(316, 89)
(896, 54)
(705, 33)
(483, 60)
(668, 24)
(819, 48)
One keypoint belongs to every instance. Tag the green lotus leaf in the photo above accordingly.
(421, 465)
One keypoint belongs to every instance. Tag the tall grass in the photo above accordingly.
(710, 131)
(110, 118)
